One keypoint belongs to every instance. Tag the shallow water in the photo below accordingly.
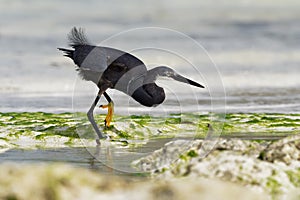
(107, 159)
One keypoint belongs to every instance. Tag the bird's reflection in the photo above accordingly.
(102, 154)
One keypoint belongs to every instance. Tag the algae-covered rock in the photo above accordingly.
(57, 181)
(183, 150)
(242, 169)
(286, 150)
(247, 147)
(4, 144)
(164, 157)
(231, 160)
(40, 127)
(51, 182)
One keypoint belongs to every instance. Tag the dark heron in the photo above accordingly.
(116, 69)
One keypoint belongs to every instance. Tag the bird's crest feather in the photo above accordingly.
(77, 37)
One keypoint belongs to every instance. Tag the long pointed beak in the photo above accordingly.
(182, 79)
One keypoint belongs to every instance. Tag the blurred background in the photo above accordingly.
(255, 45)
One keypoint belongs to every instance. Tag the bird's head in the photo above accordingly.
(168, 72)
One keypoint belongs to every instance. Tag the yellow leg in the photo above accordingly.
(110, 112)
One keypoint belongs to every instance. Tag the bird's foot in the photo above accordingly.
(110, 112)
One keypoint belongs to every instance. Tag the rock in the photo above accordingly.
(241, 169)
(247, 147)
(51, 182)
(165, 156)
(184, 149)
(4, 144)
(58, 181)
(200, 188)
(286, 151)
(232, 160)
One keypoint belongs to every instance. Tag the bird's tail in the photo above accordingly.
(68, 52)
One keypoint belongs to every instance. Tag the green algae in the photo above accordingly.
(274, 187)
(192, 153)
(39, 125)
(294, 177)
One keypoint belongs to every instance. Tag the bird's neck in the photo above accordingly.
(152, 74)
(150, 77)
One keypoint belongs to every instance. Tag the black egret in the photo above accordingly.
(115, 69)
